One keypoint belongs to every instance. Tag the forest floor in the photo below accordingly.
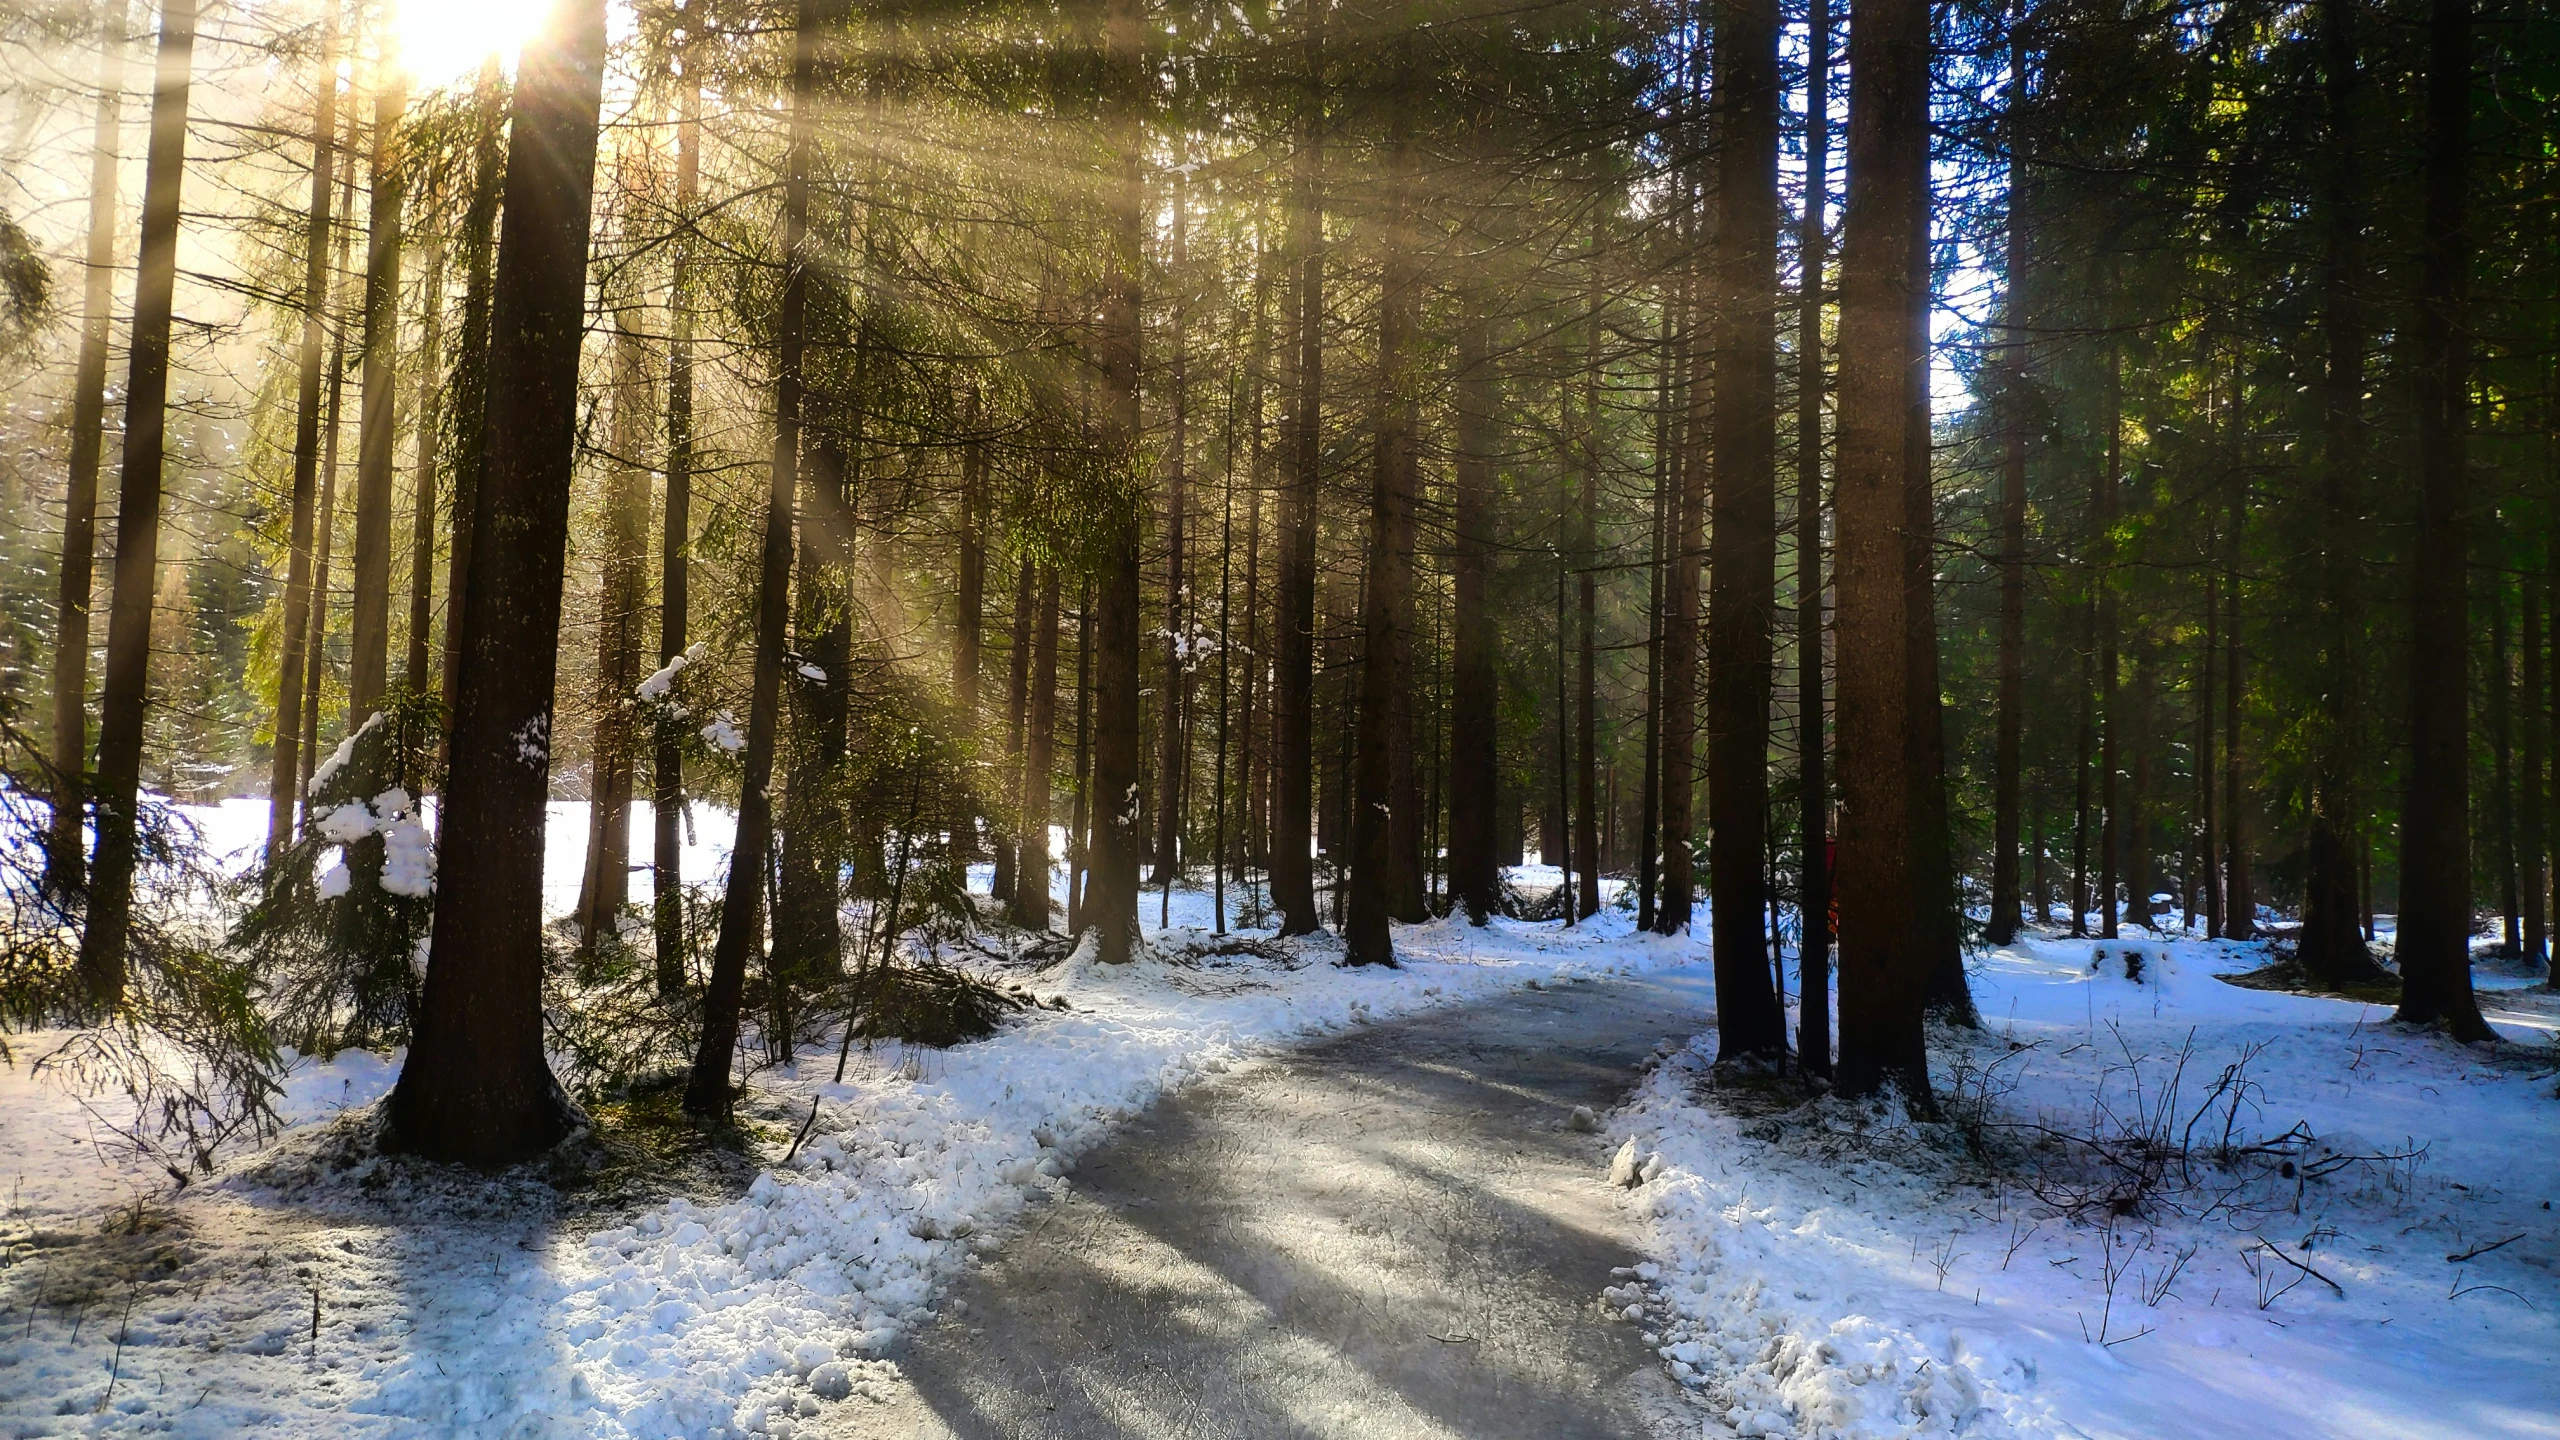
(1295, 1199)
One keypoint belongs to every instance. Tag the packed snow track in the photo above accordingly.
(1398, 1232)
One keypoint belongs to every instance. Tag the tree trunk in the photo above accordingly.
(2209, 815)
(127, 690)
(621, 598)
(1813, 961)
(1680, 658)
(2111, 837)
(2240, 898)
(66, 864)
(666, 770)
(1017, 696)
(1030, 899)
(1475, 874)
(2435, 848)
(1112, 908)
(1387, 613)
(1884, 957)
(422, 539)
(2533, 872)
(471, 361)
(968, 629)
(2009, 723)
(476, 1087)
(369, 665)
(2502, 808)
(1293, 683)
(1173, 691)
(1586, 718)
(1079, 817)
(707, 1091)
(1744, 558)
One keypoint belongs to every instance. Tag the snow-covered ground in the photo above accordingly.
(233, 1310)
(1828, 1270)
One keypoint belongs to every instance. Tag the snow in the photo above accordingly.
(1834, 1270)
(701, 1315)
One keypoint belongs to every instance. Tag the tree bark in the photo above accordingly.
(1884, 958)
(102, 962)
(1030, 899)
(1744, 557)
(968, 630)
(1293, 681)
(1586, 718)
(378, 433)
(1813, 961)
(66, 863)
(2533, 871)
(2110, 485)
(621, 598)
(284, 791)
(666, 770)
(471, 366)
(1112, 907)
(1017, 697)
(2240, 898)
(2435, 849)
(1475, 874)
(2009, 723)
(476, 1087)
(422, 539)
(1173, 692)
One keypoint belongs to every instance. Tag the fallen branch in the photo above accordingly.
(2477, 1251)
(2305, 1269)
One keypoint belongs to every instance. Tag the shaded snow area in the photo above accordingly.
(2159, 1206)
(301, 1296)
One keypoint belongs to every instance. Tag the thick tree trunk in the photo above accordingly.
(1475, 874)
(476, 1087)
(471, 375)
(1377, 867)
(1744, 558)
(2435, 849)
(2208, 814)
(2240, 899)
(808, 923)
(1173, 690)
(422, 535)
(1884, 957)
(65, 861)
(1586, 716)
(2502, 807)
(1112, 908)
(1680, 656)
(1030, 899)
(2111, 828)
(378, 432)
(968, 629)
(1948, 995)
(102, 963)
(1813, 963)
(742, 911)
(1302, 426)
(666, 770)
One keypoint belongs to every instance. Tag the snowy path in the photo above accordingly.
(1392, 1233)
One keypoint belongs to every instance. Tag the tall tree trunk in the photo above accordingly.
(1080, 813)
(742, 911)
(476, 1087)
(284, 781)
(1030, 899)
(2111, 837)
(1112, 908)
(666, 769)
(1475, 874)
(1744, 558)
(369, 666)
(471, 362)
(1813, 961)
(2136, 843)
(1173, 692)
(2009, 724)
(1586, 719)
(1293, 683)
(2502, 808)
(422, 538)
(2435, 852)
(2208, 814)
(1680, 654)
(968, 630)
(315, 635)
(1884, 956)
(620, 600)
(65, 864)
(2083, 752)
(127, 690)
(1387, 613)
(2533, 871)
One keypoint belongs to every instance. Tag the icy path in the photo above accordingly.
(1396, 1233)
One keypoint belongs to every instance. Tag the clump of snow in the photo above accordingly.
(723, 732)
(328, 769)
(408, 849)
(662, 681)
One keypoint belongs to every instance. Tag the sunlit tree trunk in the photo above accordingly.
(1302, 429)
(621, 600)
(1030, 899)
(1112, 907)
(666, 770)
(66, 863)
(377, 435)
(471, 362)
(476, 1087)
(1813, 1029)
(422, 538)
(102, 963)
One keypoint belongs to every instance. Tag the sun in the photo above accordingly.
(445, 41)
